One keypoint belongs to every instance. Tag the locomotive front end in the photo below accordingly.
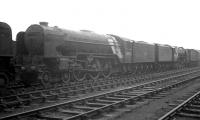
(32, 54)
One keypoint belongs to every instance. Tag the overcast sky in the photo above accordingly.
(173, 22)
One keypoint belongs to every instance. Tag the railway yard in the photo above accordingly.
(50, 73)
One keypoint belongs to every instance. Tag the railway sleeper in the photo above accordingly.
(54, 116)
(9, 107)
(65, 89)
(14, 102)
(93, 104)
(87, 108)
(71, 110)
(37, 101)
(192, 110)
(121, 96)
(56, 91)
(194, 106)
(183, 114)
(50, 97)
(63, 96)
(112, 98)
(130, 95)
(103, 101)
(196, 102)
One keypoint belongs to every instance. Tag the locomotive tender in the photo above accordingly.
(57, 54)
(50, 55)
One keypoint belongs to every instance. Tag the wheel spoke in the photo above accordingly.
(94, 75)
(106, 74)
(65, 77)
(79, 75)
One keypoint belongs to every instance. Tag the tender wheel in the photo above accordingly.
(65, 77)
(79, 75)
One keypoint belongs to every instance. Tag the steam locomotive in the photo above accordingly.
(50, 55)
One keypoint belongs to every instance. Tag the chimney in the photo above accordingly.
(44, 23)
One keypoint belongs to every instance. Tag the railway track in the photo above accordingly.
(73, 85)
(88, 106)
(189, 109)
(17, 89)
(29, 99)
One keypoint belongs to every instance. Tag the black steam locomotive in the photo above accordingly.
(50, 55)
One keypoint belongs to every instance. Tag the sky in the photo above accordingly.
(172, 22)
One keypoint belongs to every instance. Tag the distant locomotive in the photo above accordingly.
(6, 54)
